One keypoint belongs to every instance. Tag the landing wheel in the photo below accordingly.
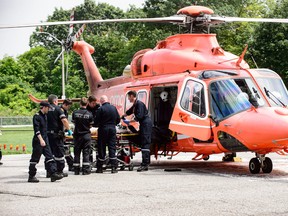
(254, 165)
(267, 165)
(206, 158)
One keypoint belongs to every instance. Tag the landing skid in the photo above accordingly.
(260, 162)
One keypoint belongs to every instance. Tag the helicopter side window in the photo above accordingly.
(193, 98)
(227, 99)
(141, 95)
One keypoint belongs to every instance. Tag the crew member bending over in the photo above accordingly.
(142, 116)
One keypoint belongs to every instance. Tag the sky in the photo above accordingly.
(14, 42)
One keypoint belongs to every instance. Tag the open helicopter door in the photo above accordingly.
(190, 115)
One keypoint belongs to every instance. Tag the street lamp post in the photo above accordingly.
(63, 65)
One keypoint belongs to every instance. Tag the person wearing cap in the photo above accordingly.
(41, 146)
(66, 105)
(57, 122)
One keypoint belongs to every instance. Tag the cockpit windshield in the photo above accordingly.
(227, 99)
(274, 89)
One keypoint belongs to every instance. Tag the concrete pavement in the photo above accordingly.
(200, 188)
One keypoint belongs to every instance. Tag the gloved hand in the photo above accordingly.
(70, 132)
(127, 122)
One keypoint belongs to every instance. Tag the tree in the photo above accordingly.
(271, 42)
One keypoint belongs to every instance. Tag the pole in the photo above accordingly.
(63, 64)
(63, 75)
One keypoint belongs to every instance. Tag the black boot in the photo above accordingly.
(55, 176)
(71, 168)
(99, 170)
(114, 170)
(48, 174)
(33, 179)
(76, 171)
(142, 168)
(63, 174)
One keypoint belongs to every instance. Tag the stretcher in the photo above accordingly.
(125, 150)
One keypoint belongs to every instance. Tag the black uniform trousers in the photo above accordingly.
(38, 150)
(145, 136)
(82, 143)
(57, 146)
(68, 156)
(107, 135)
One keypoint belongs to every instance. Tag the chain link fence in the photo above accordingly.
(15, 121)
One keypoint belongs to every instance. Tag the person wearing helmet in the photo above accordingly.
(164, 111)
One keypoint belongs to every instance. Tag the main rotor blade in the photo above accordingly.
(71, 19)
(79, 32)
(239, 19)
(172, 19)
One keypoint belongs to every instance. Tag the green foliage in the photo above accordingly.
(271, 42)
(115, 44)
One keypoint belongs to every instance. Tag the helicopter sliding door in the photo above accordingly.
(190, 115)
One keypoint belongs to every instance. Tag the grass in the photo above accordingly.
(16, 136)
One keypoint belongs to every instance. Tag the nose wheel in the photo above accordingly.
(260, 162)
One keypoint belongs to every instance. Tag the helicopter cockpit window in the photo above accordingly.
(193, 99)
(227, 99)
(248, 86)
(275, 90)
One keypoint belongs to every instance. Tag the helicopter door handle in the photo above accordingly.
(227, 125)
(183, 117)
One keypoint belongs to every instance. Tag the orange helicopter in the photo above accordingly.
(220, 105)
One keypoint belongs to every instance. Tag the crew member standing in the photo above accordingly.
(66, 105)
(142, 116)
(41, 146)
(92, 106)
(56, 120)
(83, 121)
(107, 117)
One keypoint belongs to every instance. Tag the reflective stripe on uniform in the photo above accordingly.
(147, 150)
(49, 160)
(33, 162)
(100, 159)
(114, 158)
(86, 163)
(59, 159)
(76, 164)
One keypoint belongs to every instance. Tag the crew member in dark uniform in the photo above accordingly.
(142, 116)
(66, 105)
(83, 121)
(56, 120)
(107, 117)
(92, 106)
(41, 146)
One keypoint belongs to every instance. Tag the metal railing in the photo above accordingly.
(16, 121)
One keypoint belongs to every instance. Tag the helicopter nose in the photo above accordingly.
(262, 130)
